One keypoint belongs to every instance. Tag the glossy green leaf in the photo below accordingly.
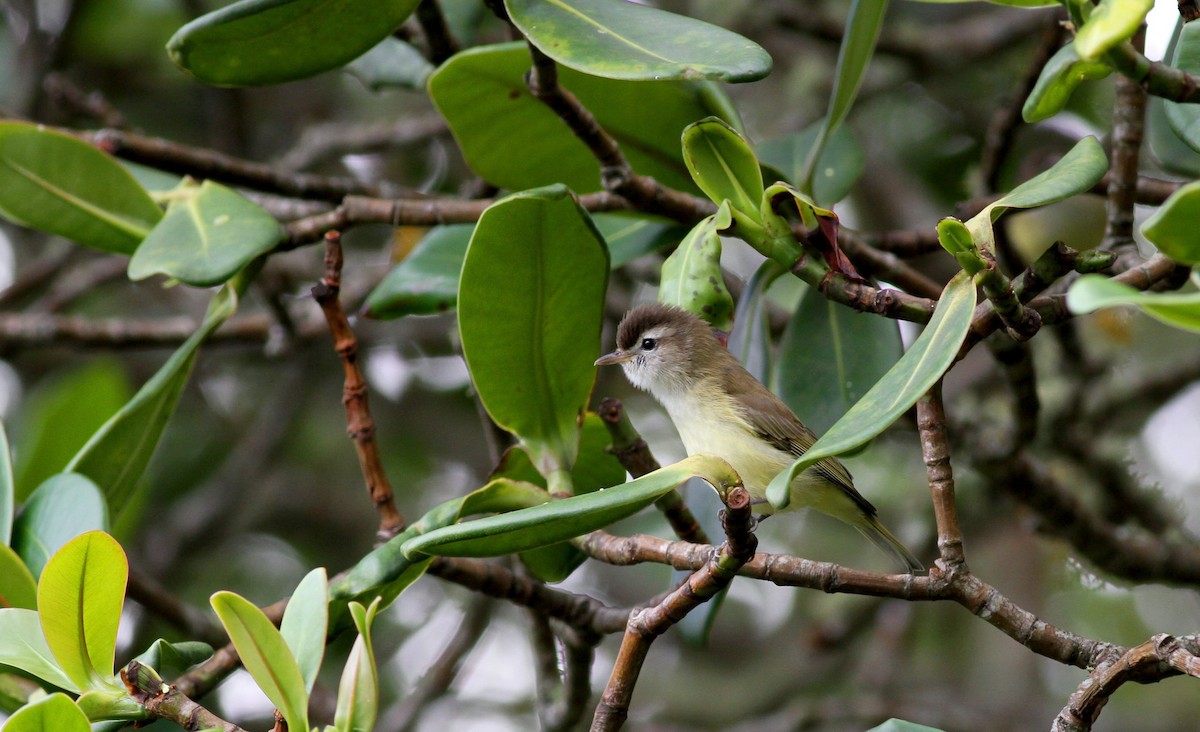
(1110, 23)
(956, 239)
(392, 64)
(564, 519)
(265, 655)
(723, 165)
(17, 586)
(1059, 78)
(840, 166)
(80, 596)
(691, 276)
(23, 646)
(54, 713)
(110, 704)
(1184, 119)
(426, 281)
(7, 489)
(750, 338)
(58, 184)
(1074, 173)
(170, 660)
(595, 468)
(830, 356)
(530, 301)
(62, 413)
(482, 94)
(117, 454)
(630, 237)
(858, 46)
(258, 42)
(617, 39)
(1092, 292)
(1172, 228)
(209, 234)
(387, 571)
(917, 370)
(358, 691)
(305, 624)
(65, 506)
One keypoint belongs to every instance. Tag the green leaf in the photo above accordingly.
(80, 596)
(208, 235)
(1093, 292)
(623, 40)
(258, 42)
(7, 489)
(830, 356)
(482, 94)
(691, 276)
(956, 239)
(54, 713)
(1074, 173)
(630, 237)
(110, 704)
(23, 646)
(858, 46)
(305, 624)
(17, 586)
(62, 414)
(392, 64)
(1060, 76)
(1172, 228)
(358, 692)
(58, 184)
(265, 655)
(917, 370)
(750, 339)
(426, 281)
(594, 469)
(387, 571)
(117, 454)
(564, 519)
(1184, 119)
(1111, 22)
(170, 660)
(840, 166)
(723, 165)
(530, 301)
(65, 506)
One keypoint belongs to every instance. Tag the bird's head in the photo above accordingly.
(663, 348)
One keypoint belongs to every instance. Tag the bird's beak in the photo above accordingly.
(615, 357)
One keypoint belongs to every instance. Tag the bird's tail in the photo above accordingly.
(889, 544)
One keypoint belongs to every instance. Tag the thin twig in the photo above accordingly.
(359, 423)
(168, 702)
(647, 624)
(935, 448)
(1160, 657)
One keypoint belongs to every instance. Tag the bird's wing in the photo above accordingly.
(775, 422)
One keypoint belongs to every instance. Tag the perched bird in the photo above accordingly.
(720, 409)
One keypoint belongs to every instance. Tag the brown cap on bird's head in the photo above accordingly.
(644, 317)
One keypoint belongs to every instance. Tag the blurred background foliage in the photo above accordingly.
(255, 481)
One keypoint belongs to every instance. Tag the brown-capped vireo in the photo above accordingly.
(719, 408)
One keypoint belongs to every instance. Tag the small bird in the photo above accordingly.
(719, 408)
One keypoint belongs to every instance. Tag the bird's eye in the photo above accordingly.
(648, 344)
